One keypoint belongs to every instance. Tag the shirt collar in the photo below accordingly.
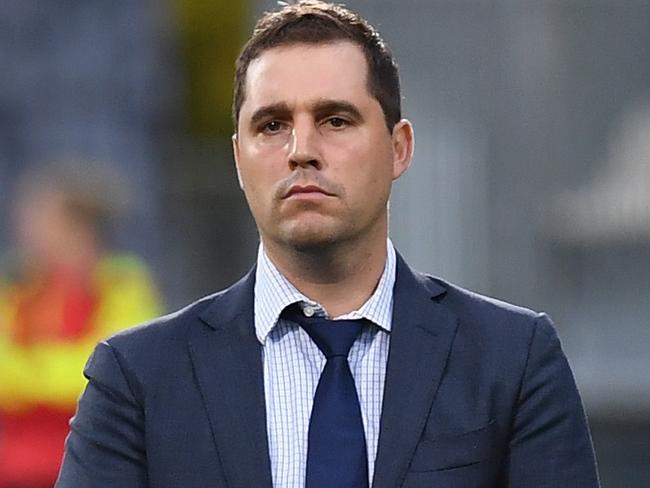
(273, 293)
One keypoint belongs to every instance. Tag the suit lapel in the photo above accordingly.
(420, 342)
(227, 361)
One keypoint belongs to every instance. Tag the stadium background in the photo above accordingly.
(531, 179)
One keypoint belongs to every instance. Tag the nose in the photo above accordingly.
(303, 150)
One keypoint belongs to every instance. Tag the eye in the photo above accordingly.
(272, 127)
(337, 122)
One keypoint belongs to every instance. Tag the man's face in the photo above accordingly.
(314, 156)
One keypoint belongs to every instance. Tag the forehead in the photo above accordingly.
(303, 73)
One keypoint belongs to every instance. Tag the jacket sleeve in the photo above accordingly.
(550, 444)
(105, 447)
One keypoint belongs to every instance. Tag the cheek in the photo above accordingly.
(254, 163)
(260, 172)
(367, 168)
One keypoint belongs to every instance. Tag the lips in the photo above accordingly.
(306, 190)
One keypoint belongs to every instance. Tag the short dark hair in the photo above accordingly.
(316, 22)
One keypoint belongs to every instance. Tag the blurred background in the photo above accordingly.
(531, 183)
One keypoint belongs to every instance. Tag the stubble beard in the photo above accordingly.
(318, 236)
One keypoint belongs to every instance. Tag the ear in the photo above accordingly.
(403, 141)
(235, 152)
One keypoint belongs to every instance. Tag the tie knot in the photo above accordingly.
(333, 337)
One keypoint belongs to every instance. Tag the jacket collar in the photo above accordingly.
(227, 360)
(420, 344)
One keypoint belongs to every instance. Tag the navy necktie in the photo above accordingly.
(336, 455)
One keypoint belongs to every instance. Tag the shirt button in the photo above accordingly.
(308, 310)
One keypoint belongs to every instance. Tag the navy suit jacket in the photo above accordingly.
(478, 394)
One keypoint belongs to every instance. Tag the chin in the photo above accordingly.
(312, 236)
(310, 243)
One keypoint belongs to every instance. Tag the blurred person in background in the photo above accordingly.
(61, 290)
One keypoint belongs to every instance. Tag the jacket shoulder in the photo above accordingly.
(488, 315)
(147, 355)
(484, 302)
(164, 327)
(161, 341)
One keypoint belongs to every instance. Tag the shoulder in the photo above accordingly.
(162, 333)
(489, 318)
(466, 301)
(147, 355)
(498, 339)
(165, 338)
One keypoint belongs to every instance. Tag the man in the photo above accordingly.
(435, 386)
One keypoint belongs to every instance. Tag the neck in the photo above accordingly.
(341, 277)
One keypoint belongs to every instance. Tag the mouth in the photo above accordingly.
(306, 191)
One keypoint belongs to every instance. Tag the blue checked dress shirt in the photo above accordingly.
(293, 365)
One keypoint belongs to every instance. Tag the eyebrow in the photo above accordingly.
(327, 107)
(280, 110)
(320, 108)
